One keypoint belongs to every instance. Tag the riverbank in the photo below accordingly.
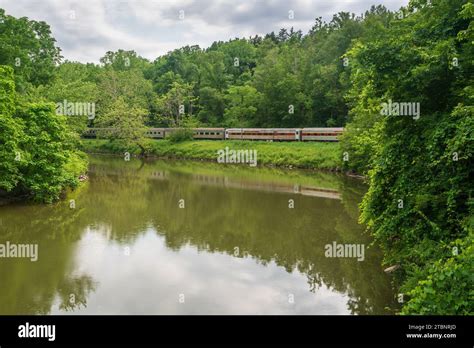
(324, 156)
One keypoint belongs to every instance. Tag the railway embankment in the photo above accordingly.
(309, 155)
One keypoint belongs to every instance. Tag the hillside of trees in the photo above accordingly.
(419, 205)
(283, 79)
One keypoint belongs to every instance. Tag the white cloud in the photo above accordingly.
(153, 27)
(152, 276)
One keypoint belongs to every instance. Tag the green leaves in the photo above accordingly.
(10, 132)
(127, 122)
(428, 162)
(37, 157)
(175, 104)
(29, 48)
(242, 105)
(449, 286)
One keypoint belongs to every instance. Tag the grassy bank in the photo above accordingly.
(301, 155)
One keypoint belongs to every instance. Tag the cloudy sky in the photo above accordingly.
(86, 29)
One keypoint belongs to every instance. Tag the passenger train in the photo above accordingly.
(269, 134)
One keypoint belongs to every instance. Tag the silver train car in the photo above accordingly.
(198, 133)
(268, 134)
(208, 133)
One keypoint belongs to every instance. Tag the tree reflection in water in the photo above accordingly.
(238, 211)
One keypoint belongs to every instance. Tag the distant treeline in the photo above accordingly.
(284, 79)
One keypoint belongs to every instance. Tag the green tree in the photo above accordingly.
(242, 106)
(122, 60)
(239, 58)
(213, 71)
(284, 103)
(126, 123)
(176, 104)
(38, 158)
(50, 163)
(10, 132)
(130, 85)
(419, 203)
(76, 83)
(28, 47)
(211, 106)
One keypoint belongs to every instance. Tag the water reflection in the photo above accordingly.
(235, 247)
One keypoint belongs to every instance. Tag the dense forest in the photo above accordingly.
(280, 80)
(419, 205)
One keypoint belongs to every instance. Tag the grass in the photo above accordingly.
(282, 154)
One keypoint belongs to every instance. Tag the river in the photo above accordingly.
(176, 237)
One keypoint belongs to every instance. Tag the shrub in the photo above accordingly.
(38, 157)
(180, 135)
